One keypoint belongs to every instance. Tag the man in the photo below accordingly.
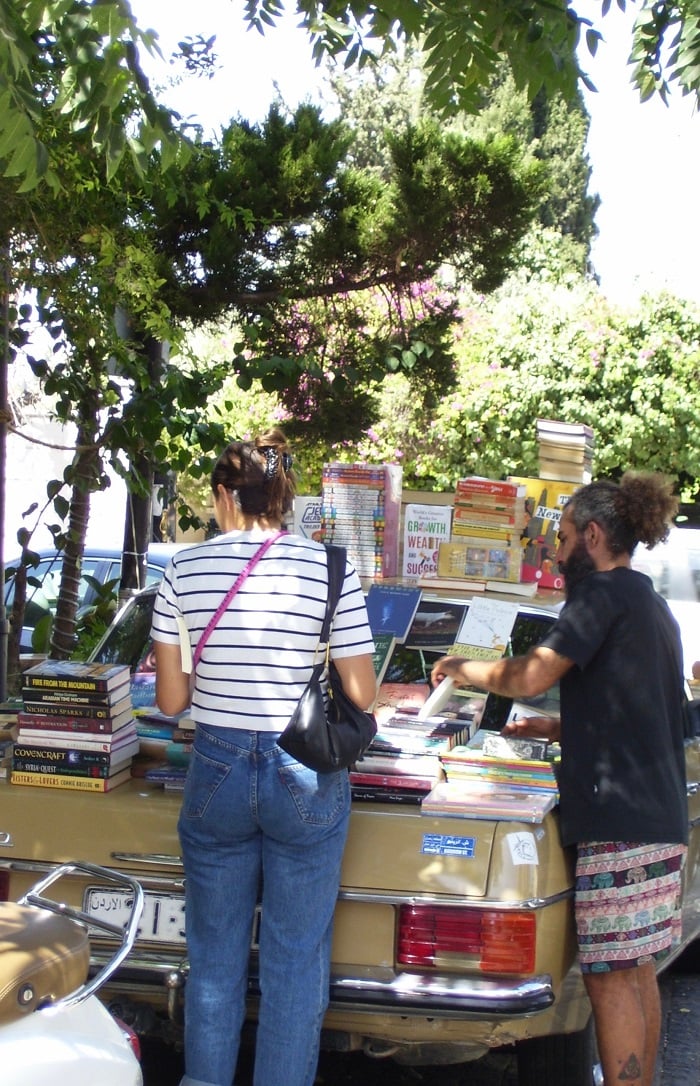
(615, 649)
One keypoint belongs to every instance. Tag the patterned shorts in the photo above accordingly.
(628, 903)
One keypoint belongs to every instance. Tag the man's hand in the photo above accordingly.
(448, 667)
(534, 727)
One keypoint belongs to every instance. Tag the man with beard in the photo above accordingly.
(615, 650)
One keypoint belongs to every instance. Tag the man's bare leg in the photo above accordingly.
(627, 1012)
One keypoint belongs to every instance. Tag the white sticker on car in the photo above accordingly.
(523, 847)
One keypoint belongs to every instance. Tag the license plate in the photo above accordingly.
(162, 919)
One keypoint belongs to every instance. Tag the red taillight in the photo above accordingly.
(131, 1036)
(4, 885)
(497, 941)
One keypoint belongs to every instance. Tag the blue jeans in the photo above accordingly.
(255, 824)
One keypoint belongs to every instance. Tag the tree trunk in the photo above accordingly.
(84, 471)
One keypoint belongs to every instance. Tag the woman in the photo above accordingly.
(256, 825)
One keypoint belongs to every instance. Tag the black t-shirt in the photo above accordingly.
(623, 764)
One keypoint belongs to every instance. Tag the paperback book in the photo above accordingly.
(75, 784)
(391, 609)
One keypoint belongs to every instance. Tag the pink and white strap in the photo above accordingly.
(232, 592)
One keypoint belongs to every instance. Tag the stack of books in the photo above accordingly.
(544, 503)
(402, 762)
(360, 510)
(566, 450)
(75, 729)
(496, 778)
(487, 521)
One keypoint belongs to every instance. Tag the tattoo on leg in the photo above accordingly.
(631, 1071)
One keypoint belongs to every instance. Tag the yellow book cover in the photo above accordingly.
(75, 784)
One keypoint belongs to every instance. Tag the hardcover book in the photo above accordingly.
(105, 699)
(74, 675)
(80, 725)
(73, 710)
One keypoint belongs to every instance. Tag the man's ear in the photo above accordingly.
(593, 535)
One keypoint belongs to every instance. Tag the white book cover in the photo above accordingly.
(425, 527)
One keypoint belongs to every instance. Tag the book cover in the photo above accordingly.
(307, 516)
(75, 675)
(477, 484)
(393, 697)
(367, 793)
(383, 649)
(486, 629)
(425, 526)
(544, 502)
(483, 562)
(75, 784)
(435, 625)
(392, 608)
(399, 765)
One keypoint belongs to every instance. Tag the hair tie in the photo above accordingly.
(272, 461)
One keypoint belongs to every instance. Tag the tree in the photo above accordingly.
(465, 42)
(542, 350)
(95, 48)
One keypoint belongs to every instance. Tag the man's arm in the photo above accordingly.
(513, 676)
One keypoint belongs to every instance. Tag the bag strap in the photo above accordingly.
(336, 560)
(232, 592)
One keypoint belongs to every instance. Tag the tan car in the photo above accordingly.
(453, 936)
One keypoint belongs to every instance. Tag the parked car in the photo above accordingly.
(101, 565)
(453, 936)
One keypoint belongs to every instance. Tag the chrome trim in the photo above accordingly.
(148, 858)
(450, 995)
(378, 897)
(6, 839)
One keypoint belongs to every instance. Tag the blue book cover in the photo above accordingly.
(392, 608)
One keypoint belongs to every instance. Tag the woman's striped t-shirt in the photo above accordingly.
(259, 657)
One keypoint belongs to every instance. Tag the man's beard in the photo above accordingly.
(578, 565)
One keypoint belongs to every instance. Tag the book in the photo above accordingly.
(399, 765)
(484, 561)
(71, 710)
(402, 781)
(513, 588)
(367, 793)
(77, 741)
(36, 696)
(75, 675)
(75, 784)
(425, 526)
(392, 608)
(65, 724)
(545, 501)
(435, 625)
(462, 799)
(486, 629)
(554, 428)
(49, 768)
(454, 584)
(383, 648)
(393, 697)
(63, 759)
(478, 484)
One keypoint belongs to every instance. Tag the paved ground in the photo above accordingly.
(679, 1057)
